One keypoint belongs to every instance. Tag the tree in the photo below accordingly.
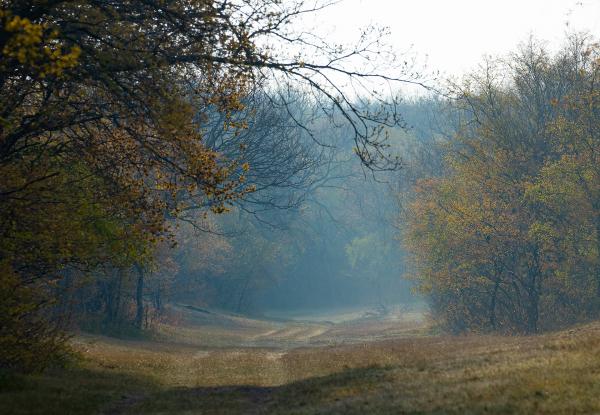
(102, 116)
(119, 84)
(497, 244)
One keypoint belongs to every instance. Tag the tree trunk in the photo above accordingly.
(65, 302)
(139, 297)
(242, 295)
(158, 299)
(597, 267)
(112, 289)
(493, 305)
(533, 312)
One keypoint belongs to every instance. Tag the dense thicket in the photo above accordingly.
(508, 238)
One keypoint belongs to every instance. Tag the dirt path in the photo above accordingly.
(375, 366)
(556, 373)
(213, 329)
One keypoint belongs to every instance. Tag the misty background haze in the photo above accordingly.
(310, 248)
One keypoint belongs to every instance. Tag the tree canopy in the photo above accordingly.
(507, 239)
(106, 109)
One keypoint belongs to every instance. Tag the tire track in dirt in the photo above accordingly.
(289, 336)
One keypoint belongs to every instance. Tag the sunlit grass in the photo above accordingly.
(554, 373)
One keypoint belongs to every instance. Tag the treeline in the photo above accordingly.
(125, 126)
(334, 245)
(506, 236)
(98, 146)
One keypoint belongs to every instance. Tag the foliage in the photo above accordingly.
(508, 240)
(105, 109)
(26, 339)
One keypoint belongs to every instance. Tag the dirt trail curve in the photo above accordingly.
(210, 328)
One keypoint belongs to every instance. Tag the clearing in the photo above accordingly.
(345, 363)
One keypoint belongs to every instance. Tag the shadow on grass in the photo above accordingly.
(72, 390)
(99, 391)
(344, 392)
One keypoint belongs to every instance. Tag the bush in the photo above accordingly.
(31, 337)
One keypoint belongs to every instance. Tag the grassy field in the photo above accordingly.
(214, 364)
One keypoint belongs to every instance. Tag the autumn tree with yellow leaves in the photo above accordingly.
(102, 105)
(508, 240)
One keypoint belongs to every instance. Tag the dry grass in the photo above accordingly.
(554, 373)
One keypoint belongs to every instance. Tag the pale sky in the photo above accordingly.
(454, 35)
